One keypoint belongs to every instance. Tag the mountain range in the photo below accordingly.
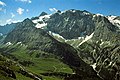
(87, 46)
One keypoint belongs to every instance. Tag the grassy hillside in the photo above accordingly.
(11, 70)
(43, 63)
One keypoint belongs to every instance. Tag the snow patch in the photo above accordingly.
(87, 38)
(117, 21)
(94, 16)
(41, 19)
(73, 11)
(8, 43)
(99, 14)
(114, 21)
(110, 63)
(19, 42)
(55, 34)
(41, 25)
(67, 10)
(101, 43)
(111, 17)
(86, 13)
(67, 19)
(80, 37)
(62, 12)
(94, 66)
(70, 28)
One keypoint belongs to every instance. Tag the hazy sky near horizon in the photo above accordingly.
(17, 10)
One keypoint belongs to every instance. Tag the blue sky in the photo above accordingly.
(17, 10)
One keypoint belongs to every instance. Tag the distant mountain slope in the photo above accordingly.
(7, 28)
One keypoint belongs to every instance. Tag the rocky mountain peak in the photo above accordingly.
(59, 11)
(43, 14)
(27, 22)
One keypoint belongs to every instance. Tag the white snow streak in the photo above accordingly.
(55, 34)
(87, 38)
